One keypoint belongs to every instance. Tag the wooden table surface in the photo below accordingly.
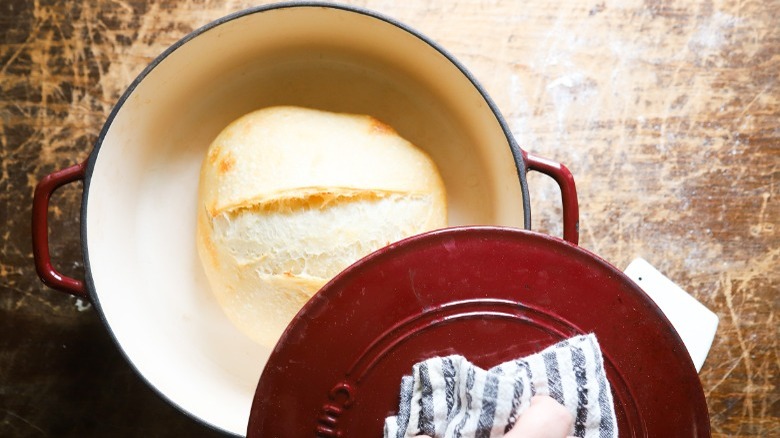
(667, 113)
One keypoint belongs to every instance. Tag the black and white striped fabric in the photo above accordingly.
(448, 397)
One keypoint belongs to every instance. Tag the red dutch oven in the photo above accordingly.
(491, 294)
(487, 292)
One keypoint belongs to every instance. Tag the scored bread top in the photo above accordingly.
(289, 197)
(335, 155)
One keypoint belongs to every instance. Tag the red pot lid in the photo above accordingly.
(490, 294)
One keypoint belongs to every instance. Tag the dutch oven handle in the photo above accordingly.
(565, 180)
(40, 230)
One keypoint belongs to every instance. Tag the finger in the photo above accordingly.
(544, 418)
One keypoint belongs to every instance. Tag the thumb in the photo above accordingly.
(544, 418)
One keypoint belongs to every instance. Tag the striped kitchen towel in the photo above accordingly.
(448, 397)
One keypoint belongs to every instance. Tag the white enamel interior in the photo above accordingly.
(140, 219)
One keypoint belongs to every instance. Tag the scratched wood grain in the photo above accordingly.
(667, 113)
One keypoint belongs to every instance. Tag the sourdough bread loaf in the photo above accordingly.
(289, 197)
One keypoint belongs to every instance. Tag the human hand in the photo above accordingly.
(544, 418)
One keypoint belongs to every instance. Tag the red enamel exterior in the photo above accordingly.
(40, 230)
(565, 181)
(491, 294)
